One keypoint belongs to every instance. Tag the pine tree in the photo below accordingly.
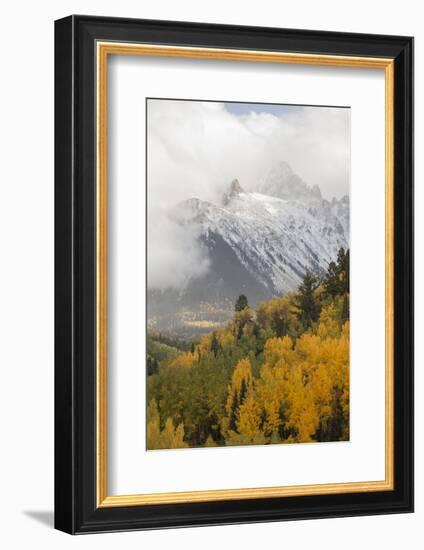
(306, 302)
(259, 341)
(214, 344)
(241, 303)
(345, 308)
(343, 259)
(243, 392)
(337, 278)
(279, 323)
(256, 331)
(234, 412)
(332, 282)
(152, 365)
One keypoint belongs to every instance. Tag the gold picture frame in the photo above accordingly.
(106, 49)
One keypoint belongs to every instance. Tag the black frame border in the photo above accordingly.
(75, 274)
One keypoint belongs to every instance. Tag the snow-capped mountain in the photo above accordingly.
(259, 243)
(276, 234)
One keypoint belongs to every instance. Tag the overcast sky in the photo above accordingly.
(196, 148)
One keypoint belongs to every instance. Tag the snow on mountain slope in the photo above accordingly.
(276, 234)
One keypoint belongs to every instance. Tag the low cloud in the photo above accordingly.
(175, 255)
(196, 148)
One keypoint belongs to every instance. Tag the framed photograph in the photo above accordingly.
(234, 274)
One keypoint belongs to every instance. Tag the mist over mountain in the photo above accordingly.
(259, 243)
(283, 183)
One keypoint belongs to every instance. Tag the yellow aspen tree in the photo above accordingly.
(226, 339)
(273, 382)
(249, 416)
(329, 326)
(242, 372)
(185, 360)
(153, 426)
(173, 438)
(169, 438)
(270, 394)
(210, 442)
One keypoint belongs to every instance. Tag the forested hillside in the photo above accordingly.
(279, 374)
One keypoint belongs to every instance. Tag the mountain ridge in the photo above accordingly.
(262, 243)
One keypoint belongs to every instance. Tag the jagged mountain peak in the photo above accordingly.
(283, 169)
(235, 189)
(282, 182)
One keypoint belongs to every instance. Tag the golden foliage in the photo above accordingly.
(169, 438)
(242, 373)
(226, 339)
(249, 416)
(185, 360)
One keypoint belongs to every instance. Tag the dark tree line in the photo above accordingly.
(335, 283)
